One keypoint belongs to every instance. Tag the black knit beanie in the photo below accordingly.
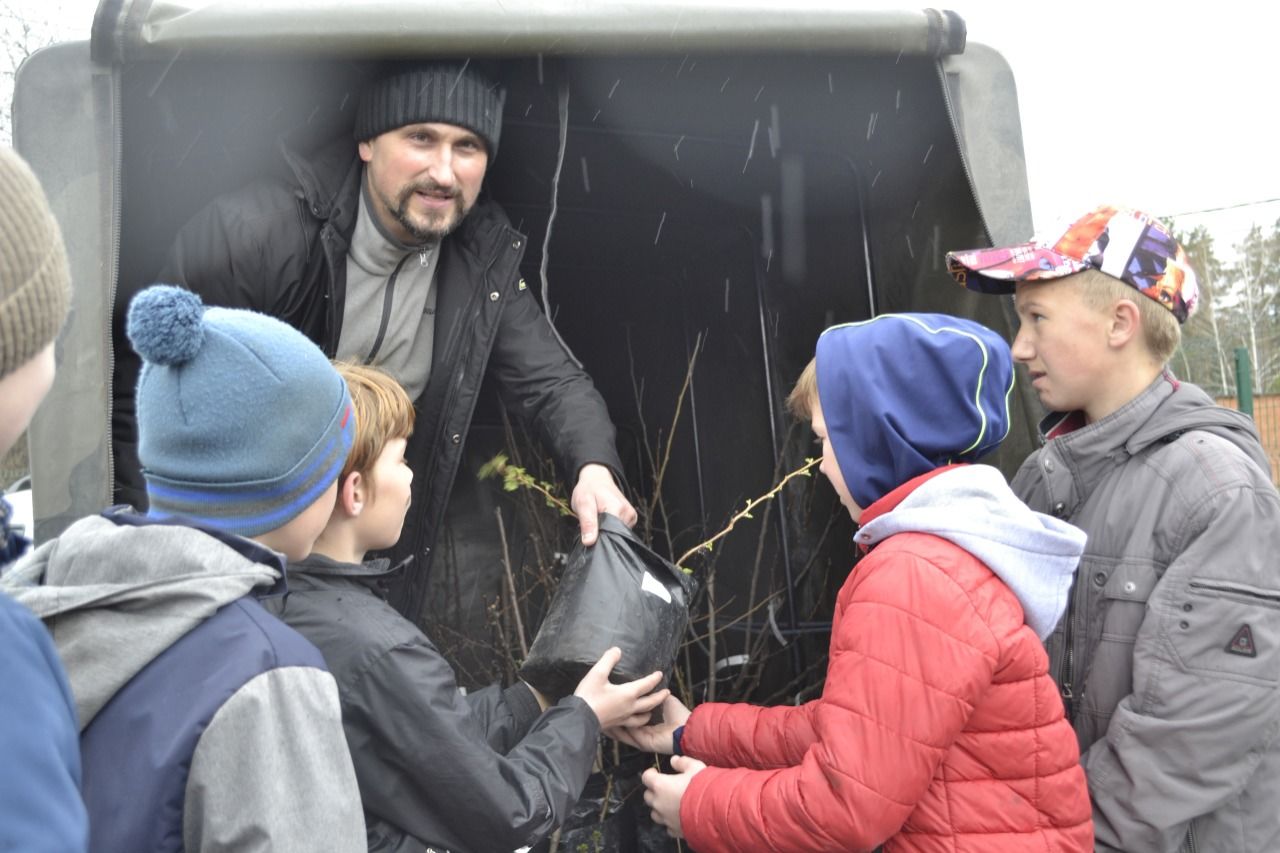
(451, 94)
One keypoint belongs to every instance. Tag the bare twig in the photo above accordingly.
(511, 585)
(660, 474)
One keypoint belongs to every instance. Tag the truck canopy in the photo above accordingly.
(742, 172)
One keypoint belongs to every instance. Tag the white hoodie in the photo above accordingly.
(971, 505)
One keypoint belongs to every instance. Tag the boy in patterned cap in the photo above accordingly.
(1168, 657)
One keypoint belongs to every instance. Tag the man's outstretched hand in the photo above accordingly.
(596, 492)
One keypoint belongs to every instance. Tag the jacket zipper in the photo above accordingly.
(1065, 674)
(388, 296)
(1192, 847)
(474, 310)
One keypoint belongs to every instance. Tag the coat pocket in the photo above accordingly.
(1124, 597)
(1227, 628)
(1120, 591)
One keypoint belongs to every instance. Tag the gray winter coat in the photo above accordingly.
(1168, 658)
(268, 771)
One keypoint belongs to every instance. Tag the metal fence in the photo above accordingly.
(1266, 415)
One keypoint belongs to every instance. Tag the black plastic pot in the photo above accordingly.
(616, 592)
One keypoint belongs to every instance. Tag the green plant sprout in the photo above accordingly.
(514, 477)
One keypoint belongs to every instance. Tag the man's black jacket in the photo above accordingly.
(280, 247)
(485, 773)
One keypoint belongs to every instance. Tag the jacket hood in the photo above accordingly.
(903, 394)
(116, 595)
(1188, 407)
(972, 506)
(325, 176)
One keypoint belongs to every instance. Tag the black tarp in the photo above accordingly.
(718, 186)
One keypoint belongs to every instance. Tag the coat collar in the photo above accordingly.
(1089, 452)
(375, 575)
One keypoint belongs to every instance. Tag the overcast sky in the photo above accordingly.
(1167, 107)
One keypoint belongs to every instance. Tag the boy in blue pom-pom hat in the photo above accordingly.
(938, 726)
(206, 723)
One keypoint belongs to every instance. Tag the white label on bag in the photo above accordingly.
(651, 584)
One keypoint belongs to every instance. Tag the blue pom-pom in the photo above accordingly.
(165, 324)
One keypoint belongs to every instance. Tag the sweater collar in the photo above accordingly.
(373, 247)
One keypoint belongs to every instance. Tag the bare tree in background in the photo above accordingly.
(25, 27)
(1203, 355)
(1257, 276)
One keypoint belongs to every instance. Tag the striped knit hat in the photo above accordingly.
(460, 95)
(35, 282)
(242, 421)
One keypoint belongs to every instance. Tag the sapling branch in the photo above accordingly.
(745, 512)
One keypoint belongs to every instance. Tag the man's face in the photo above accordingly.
(424, 178)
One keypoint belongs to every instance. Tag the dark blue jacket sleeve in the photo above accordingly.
(40, 804)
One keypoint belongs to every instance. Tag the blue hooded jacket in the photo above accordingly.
(903, 394)
(40, 804)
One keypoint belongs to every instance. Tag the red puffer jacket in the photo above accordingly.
(939, 728)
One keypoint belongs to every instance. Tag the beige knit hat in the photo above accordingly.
(35, 281)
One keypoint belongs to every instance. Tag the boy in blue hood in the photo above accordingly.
(938, 726)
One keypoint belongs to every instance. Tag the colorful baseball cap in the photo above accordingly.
(1129, 245)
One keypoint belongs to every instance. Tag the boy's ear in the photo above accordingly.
(1125, 323)
(351, 494)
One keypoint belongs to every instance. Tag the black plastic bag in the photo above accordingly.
(615, 593)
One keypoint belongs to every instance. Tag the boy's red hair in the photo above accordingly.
(383, 412)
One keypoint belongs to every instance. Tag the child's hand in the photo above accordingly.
(663, 792)
(619, 704)
(659, 736)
